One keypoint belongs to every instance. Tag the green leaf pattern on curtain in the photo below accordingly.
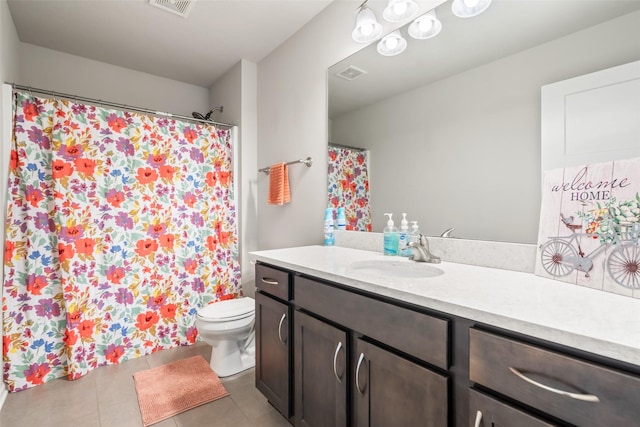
(119, 227)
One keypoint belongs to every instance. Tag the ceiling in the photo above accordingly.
(133, 34)
(507, 27)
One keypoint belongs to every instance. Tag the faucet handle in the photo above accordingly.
(447, 232)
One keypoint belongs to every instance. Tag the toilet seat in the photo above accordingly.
(228, 310)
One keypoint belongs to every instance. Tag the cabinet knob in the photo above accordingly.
(270, 281)
(578, 396)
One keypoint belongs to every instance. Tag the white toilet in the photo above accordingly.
(228, 326)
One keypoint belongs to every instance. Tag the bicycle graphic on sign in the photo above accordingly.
(563, 254)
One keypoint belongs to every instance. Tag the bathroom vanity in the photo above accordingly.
(342, 345)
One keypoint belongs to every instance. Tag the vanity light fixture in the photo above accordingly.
(392, 44)
(469, 8)
(425, 26)
(399, 10)
(367, 26)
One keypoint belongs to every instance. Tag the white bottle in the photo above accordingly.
(414, 236)
(390, 237)
(403, 237)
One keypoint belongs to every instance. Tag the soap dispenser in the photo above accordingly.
(415, 234)
(403, 237)
(390, 237)
(328, 227)
(342, 219)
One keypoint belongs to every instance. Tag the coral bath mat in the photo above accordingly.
(176, 387)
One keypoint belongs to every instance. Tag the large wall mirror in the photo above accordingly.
(450, 128)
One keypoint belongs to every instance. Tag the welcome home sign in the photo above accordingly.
(590, 226)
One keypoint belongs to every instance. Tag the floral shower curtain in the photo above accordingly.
(349, 186)
(119, 227)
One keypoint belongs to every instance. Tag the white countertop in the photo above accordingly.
(598, 322)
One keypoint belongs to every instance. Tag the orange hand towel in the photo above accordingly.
(279, 192)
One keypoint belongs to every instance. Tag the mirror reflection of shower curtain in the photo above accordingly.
(348, 181)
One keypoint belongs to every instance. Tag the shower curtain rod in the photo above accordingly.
(115, 105)
(348, 147)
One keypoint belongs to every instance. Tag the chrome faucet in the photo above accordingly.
(421, 251)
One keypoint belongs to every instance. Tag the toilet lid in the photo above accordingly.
(228, 309)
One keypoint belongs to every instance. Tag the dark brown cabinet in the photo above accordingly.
(489, 412)
(273, 351)
(393, 391)
(328, 355)
(561, 386)
(321, 374)
(351, 348)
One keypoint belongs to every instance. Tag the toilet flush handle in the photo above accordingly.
(282, 319)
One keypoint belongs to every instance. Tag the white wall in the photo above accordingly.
(61, 72)
(292, 120)
(470, 155)
(236, 91)
(9, 71)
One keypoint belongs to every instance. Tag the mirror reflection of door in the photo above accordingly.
(348, 178)
(592, 118)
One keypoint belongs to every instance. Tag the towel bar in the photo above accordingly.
(308, 161)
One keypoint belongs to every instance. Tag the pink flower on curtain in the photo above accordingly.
(114, 241)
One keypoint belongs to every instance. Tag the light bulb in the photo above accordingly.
(425, 25)
(366, 29)
(399, 8)
(471, 3)
(391, 43)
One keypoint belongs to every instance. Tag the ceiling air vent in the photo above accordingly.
(179, 7)
(351, 73)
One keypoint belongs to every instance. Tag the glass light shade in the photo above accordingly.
(469, 8)
(399, 10)
(392, 44)
(426, 26)
(367, 26)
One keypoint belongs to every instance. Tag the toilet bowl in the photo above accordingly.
(228, 327)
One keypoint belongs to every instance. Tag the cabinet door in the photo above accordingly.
(320, 366)
(273, 351)
(392, 391)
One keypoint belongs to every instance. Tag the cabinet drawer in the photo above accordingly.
(418, 334)
(573, 390)
(273, 281)
(488, 412)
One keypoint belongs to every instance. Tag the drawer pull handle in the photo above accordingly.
(577, 396)
(270, 281)
(282, 319)
(335, 360)
(478, 419)
(360, 360)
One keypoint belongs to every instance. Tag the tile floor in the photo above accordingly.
(106, 397)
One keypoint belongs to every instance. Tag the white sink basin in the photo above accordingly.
(396, 268)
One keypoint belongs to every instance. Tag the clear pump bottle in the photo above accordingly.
(403, 237)
(390, 237)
